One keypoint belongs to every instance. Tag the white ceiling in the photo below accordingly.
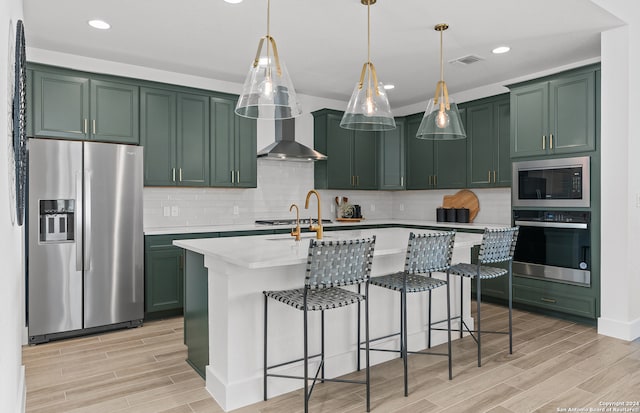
(323, 42)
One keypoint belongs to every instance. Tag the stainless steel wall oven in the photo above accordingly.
(554, 245)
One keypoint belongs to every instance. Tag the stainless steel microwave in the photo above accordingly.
(551, 183)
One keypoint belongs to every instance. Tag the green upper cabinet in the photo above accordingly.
(75, 106)
(434, 164)
(175, 133)
(391, 157)
(351, 155)
(488, 141)
(233, 146)
(554, 116)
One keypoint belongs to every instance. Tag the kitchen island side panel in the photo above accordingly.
(196, 312)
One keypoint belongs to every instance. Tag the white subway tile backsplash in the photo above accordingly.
(282, 183)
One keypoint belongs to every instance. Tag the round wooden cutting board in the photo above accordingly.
(463, 199)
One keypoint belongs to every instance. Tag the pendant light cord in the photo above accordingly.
(441, 60)
(369, 47)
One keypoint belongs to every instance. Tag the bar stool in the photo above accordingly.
(497, 246)
(330, 265)
(426, 253)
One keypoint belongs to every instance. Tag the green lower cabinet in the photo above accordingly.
(196, 312)
(493, 287)
(164, 283)
(555, 297)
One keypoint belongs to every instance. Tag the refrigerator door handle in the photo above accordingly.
(87, 220)
(78, 233)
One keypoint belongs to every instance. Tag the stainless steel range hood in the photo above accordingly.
(285, 147)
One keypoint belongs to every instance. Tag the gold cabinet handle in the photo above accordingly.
(93, 126)
(84, 126)
(548, 300)
(489, 176)
(551, 141)
(544, 141)
(435, 180)
(494, 176)
(173, 174)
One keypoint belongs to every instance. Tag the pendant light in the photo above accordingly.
(441, 120)
(368, 108)
(268, 92)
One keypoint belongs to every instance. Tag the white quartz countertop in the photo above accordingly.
(255, 227)
(264, 251)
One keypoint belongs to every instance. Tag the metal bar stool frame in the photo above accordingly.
(498, 245)
(426, 253)
(330, 266)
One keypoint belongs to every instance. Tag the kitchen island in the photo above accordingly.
(224, 280)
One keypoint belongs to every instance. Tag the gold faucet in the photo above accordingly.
(316, 228)
(296, 232)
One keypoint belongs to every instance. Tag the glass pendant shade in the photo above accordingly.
(441, 123)
(368, 110)
(441, 120)
(268, 92)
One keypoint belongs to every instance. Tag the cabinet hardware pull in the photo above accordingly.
(180, 174)
(548, 300)
(494, 176)
(430, 176)
(489, 176)
(233, 176)
(93, 126)
(173, 174)
(84, 126)
(544, 141)
(435, 180)
(238, 176)
(551, 141)
(402, 181)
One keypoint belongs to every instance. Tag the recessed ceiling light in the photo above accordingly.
(501, 49)
(389, 86)
(233, 1)
(99, 24)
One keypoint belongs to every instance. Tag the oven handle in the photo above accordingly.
(546, 224)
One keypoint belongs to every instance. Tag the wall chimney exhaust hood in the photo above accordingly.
(285, 147)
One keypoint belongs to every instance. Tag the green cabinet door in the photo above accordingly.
(192, 140)
(163, 279)
(529, 120)
(364, 160)
(246, 149)
(488, 140)
(158, 136)
(572, 113)
(339, 154)
(61, 106)
(222, 143)
(450, 164)
(114, 112)
(391, 157)
(233, 146)
(420, 159)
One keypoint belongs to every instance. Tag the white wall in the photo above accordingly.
(620, 237)
(12, 390)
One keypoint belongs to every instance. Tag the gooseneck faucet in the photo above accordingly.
(317, 228)
(296, 231)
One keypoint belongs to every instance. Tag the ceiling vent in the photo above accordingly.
(467, 60)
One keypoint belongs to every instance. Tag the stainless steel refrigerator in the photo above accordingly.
(85, 238)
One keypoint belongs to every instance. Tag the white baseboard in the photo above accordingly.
(624, 330)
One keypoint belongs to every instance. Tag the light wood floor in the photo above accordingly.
(556, 364)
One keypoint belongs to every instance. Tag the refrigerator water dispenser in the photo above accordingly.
(56, 220)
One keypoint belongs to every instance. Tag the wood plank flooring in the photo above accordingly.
(555, 365)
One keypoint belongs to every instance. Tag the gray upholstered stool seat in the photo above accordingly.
(317, 300)
(415, 282)
(471, 271)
